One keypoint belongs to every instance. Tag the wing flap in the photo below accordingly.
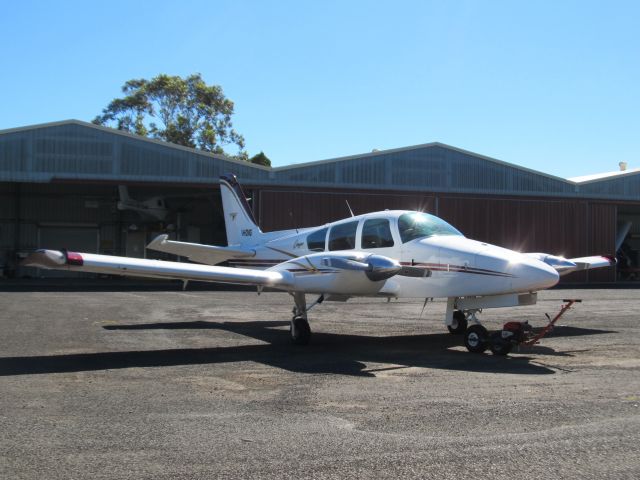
(139, 267)
(207, 254)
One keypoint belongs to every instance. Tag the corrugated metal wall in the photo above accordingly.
(601, 235)
(284, 209)
(525, 225)
(622, 187)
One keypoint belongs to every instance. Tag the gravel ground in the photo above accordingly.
(206, 385)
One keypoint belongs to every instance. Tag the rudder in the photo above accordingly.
(241, 225)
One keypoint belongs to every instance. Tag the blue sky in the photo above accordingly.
(550, 85)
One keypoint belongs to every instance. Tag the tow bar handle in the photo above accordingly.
(567, 305)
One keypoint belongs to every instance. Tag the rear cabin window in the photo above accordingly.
(343, 236)
(315, 240)
(376, 233)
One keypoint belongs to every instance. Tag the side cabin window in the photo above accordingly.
(376, 233)
(343, 236)
(315, 240)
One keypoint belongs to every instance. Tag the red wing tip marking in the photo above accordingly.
(74, 258)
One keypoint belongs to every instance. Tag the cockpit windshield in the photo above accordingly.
(418, 225)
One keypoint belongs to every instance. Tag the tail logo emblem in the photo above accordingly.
(233, 215)
(247, 232)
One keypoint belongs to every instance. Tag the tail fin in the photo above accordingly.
(123, 192)
(242, 228)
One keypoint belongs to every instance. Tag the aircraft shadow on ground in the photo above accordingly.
(328, 354)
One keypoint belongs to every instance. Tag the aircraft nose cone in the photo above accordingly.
(534, 275)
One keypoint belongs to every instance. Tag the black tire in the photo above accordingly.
(499, 346)
(459, 324)
(476, 339)
(300, 331)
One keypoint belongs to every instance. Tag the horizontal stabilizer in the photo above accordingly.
(207, 254)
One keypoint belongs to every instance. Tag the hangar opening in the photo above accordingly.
(628, 243)
(102, 219)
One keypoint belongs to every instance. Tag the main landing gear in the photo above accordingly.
(300, 329)
(459, 323)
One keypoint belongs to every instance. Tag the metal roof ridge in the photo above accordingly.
(415, 147)
(352, 157)
(503, 163)
(115, 131)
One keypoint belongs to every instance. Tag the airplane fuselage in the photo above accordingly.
(454, 265)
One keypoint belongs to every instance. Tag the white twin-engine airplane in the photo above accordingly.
(393, 254)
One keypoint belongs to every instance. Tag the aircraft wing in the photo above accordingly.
(568, 265)
(139, 267)
(587, 263)
(207, 254)
(335, 273)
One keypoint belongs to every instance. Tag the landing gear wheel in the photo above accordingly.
(300, 331)
(476, 339)
(498, 345)
(459, 324)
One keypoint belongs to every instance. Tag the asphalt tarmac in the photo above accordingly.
(207, 385)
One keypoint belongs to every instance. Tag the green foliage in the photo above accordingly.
(261, 159)
(185, 111)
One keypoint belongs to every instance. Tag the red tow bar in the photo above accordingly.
(567, 305)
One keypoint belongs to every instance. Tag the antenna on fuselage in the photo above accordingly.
(291, 215)
(349, 207)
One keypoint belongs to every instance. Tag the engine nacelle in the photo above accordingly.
(341, 273)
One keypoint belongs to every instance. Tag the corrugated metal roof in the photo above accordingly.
(76, 150)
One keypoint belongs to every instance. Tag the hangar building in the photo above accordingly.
(76, 185)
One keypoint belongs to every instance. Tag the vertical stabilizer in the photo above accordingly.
(241, 225)
(123, 192)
